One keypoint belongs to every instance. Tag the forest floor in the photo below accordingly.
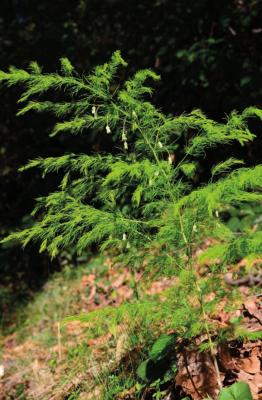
(43, 358)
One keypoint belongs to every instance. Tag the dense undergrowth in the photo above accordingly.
(145, 205)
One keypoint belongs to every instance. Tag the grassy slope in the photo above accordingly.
(45, 359)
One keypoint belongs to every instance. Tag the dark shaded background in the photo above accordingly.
(207, 52)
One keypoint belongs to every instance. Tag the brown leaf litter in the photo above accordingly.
(27, 364)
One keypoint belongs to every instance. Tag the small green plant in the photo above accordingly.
(237, 391)
(19, 391)
(75, 395)
(139, 200)
(158, 362)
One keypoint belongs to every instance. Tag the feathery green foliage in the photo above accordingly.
(139, 193)
(139, 201)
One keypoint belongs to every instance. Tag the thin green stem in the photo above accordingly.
(211, 343)
(168, 182)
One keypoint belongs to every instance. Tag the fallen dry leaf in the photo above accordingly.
(226, 360)
(250, 364)
(197, 375)
(249, 379)
(88, 280)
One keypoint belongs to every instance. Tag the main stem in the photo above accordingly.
(211, 343)
(189, 254)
